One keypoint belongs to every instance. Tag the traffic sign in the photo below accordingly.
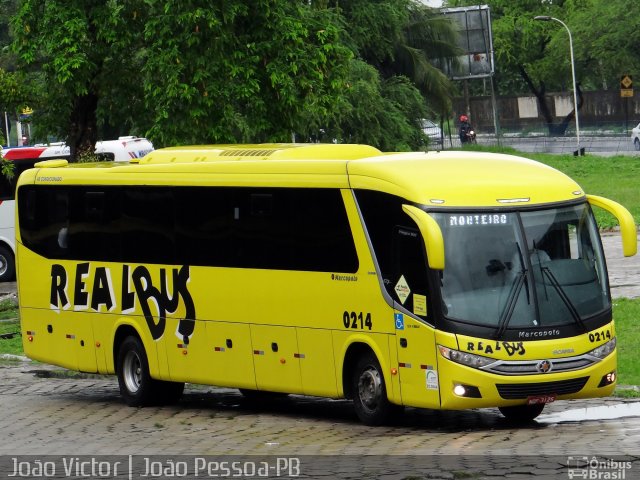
(626, 86)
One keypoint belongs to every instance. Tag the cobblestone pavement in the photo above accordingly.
(624, 272)
(47, 411)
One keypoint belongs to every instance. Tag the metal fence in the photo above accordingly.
(604, 139)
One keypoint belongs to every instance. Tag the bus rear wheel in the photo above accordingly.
(370, 393)
(136, 384)
(137, 387)
(522, 413)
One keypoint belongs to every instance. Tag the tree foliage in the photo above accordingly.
(381, 112)
(404, 37)
(240, 71)
(201, 71)
(83, 50)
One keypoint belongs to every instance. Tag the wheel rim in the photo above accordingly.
(370, 388)
(132, 372)
(3, 265)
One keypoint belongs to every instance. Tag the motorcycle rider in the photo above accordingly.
(466, 132)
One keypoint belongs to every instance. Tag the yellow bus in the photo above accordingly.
(440, 280)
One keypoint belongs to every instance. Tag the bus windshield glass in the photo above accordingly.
(528, 269)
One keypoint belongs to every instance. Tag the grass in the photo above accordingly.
(612, 177)
(626, 313)
(10, 324)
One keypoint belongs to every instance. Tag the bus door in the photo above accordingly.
(415, 339)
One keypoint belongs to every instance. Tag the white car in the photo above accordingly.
(433, 131)
(635, 136)
(125, 149)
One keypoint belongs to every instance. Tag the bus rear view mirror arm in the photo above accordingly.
(627, 224)
(431, 234)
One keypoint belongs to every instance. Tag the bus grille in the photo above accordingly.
(517, 391)
(530, 367)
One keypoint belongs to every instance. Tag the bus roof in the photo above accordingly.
(438, 179)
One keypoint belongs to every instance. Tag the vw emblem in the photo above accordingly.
(544, 366)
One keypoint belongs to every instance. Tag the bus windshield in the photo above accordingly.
(527, 269)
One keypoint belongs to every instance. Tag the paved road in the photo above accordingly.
(624, 272)
(85, 416)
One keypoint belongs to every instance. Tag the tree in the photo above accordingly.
(241, 71)
(85, 51)
(381, 112)
(14, 94)
(197, 71)
(406, 38)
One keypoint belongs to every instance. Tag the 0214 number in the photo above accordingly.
(357, 320)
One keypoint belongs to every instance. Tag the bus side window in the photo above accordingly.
(44, 218)
(147, 227)
(93, 230)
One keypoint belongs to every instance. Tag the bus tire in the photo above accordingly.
(522, 413)
(7, 264)
(137, 387)
(370, 393)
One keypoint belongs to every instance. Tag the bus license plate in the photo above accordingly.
(538, 399)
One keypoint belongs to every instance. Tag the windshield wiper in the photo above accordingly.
(510, 306)
(563, 296)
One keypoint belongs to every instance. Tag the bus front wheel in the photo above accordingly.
(369, 392)
(522, 413)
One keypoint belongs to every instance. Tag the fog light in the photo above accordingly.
(467, 391)
(608, 379)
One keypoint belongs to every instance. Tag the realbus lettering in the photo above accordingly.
(80, 296)
(102, 290)
(128, 296)
(58, 297)
(137, 288)
(146, 292)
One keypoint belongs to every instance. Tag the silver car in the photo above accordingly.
(433, 131)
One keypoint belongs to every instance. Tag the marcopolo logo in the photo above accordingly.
(138, 288)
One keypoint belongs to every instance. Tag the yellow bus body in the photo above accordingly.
(290, 331)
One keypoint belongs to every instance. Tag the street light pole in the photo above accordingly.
(546, 18)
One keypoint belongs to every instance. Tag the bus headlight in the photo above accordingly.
(465, 358)
(604, 350)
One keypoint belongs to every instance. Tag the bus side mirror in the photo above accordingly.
(431, 234)
(627, 225)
